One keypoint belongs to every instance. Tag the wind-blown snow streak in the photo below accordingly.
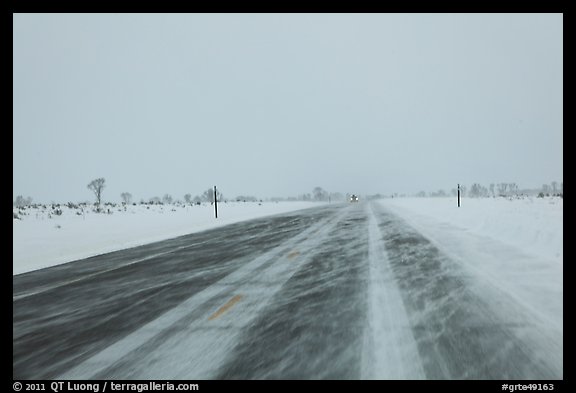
(390, 349)
(358, 291)
(533, 280)
(476, 306)
(188, 341)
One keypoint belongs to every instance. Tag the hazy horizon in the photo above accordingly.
(273, 105)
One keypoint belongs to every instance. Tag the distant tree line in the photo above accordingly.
(98, 185)
(477, 190)
(318, 194)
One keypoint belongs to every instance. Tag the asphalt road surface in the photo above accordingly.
(347, 291)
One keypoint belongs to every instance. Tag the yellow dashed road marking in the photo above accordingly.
(225, 307)
(293, 254)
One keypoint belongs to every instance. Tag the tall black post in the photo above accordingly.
(458, 195)
(215, 203)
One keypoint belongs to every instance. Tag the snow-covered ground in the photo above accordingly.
(532, 224)
(42, 238)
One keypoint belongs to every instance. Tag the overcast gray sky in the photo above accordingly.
(276, 104)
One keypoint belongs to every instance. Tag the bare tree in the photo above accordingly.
(21, 201)
(188, 198)
(502, 188)
(463, 191)
(126, 197)
(97, 186)
(319, 194)
(554, 185)
(208, 196)
(167, 199)
(475, 190)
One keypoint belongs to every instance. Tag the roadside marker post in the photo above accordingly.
(458, 194)
(215, 203)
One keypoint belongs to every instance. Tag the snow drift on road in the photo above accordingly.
(512, 246)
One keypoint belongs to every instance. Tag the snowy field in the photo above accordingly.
(42, 238)
(532, 224)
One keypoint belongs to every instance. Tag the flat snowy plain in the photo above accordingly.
(532, 225)
(510, 249)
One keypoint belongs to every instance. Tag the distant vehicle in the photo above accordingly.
(354, 198)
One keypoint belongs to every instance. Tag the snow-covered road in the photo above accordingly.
(336, 292)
